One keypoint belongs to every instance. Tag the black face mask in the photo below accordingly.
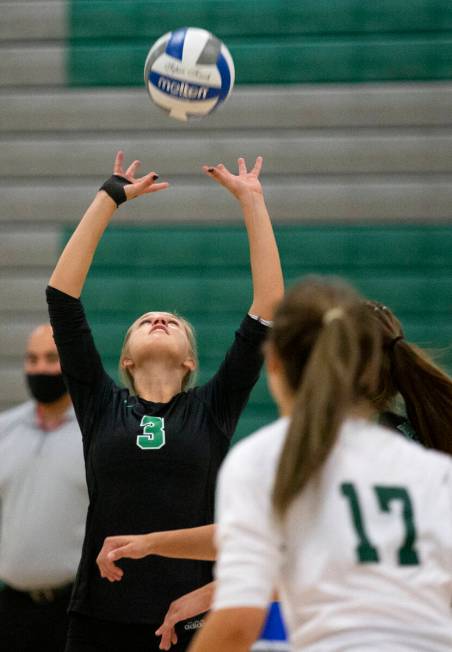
(46, 388)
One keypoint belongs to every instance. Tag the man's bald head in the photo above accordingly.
(41, 356)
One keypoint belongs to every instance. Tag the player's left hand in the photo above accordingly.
(192, 604)
(241, 184)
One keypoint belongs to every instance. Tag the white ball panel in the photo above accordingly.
(195, 41)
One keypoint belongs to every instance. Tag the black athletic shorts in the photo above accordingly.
(88, 634)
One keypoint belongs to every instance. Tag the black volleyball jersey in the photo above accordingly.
(149, 466)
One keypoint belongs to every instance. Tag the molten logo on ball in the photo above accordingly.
(182, 89)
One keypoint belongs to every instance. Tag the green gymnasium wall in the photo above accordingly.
(203, 273)
(188, 268)
(271, 41)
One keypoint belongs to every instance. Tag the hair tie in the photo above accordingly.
(332, 314)
(393, 342)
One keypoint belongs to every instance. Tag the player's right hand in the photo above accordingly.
(138, 185)
(132, 546)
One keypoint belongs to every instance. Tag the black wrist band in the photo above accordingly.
(114, 187)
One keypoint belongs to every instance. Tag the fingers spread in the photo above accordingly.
(147, 184)
(258, 166)
(117, 168)
(242, 166)
(133, 167)
(155, 187)
(218, 172)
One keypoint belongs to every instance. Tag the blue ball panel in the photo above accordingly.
(175, 46)
(225, 75)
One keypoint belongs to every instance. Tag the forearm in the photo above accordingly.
(73, 265)
(224, 641)
(193, 543)
(229, 630)
(268, 282)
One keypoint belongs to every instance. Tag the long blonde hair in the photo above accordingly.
(190, 377)
(330, 350)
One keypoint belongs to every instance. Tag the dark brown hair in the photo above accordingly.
(425, 388)
(330, 347)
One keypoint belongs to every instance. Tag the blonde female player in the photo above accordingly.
(348, 519)
(152, 453)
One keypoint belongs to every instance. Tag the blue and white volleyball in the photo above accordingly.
(189, 73)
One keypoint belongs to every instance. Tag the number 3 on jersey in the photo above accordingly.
(153, 436)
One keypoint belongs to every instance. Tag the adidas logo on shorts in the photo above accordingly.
(194, 624)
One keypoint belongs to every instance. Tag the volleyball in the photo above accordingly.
(189, 73)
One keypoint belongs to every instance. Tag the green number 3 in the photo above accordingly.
(366, 552)
(153, 436)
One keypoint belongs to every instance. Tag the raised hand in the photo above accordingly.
(241, 184)
(138, 185)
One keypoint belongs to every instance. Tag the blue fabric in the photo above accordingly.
(274, 628)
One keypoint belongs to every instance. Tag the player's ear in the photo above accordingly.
(126, 363)
(189, 364)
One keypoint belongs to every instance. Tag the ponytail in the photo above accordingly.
(341, 369)
(427, 392)
(408, 370)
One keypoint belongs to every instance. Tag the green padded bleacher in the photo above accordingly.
(203, 273)
(288, 60)
(149, 19)
(271, 41)
(354, 247)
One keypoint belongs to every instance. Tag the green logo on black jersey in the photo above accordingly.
(153, 436)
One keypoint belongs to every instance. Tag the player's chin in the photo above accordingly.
(163, 346)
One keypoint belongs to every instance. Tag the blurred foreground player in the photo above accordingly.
(43, 504)
(348, 519)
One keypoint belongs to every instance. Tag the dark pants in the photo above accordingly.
(27, 625)
(87, 634)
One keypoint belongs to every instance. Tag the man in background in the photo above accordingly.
(43, 504)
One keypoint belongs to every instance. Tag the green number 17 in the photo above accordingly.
(365, 550)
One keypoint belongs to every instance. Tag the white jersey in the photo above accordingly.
(363, 558)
